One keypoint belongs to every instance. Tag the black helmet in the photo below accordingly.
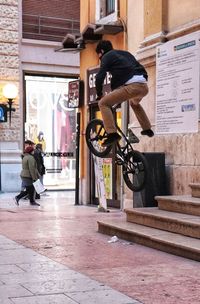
(104, 45)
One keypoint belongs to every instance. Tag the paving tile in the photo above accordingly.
(8, 291)
(64, 286)
(102, 297)
(20, 256)
(46, 299)
(43, 267)
(5, 240)
(13, 245)
(10, 269)
(20, 278)
(5, 301)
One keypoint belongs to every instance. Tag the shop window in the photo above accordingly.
(106, 11)
(49, 120)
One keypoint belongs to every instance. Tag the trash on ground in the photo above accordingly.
(113, 239)
(102, 209)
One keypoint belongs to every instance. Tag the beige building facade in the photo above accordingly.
(152, 23)
(147, 24)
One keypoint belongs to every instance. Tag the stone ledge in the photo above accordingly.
(146, 54)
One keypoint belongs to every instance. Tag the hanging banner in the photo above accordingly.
(99, 178)
(177, 85)
(107, 174)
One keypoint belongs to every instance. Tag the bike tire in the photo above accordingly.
(135, 169)
(95, 133)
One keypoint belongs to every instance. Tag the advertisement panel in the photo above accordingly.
(75, 93)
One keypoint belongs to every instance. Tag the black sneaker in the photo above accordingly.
(37, 196)
(111, 139)
(16, 200)
(34, 204)
(26, 197)
(148, 132)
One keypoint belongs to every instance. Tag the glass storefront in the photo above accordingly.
(49, 121)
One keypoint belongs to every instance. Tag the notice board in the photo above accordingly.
(177, 85)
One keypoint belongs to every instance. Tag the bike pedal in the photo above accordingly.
(119, 162)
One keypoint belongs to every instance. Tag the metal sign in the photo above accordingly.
(3, 113)
(75, 96)
(91, 78)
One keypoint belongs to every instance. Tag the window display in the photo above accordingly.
(50, 122)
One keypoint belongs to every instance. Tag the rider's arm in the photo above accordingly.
(100, 79)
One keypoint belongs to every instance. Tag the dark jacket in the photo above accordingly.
(122, 65)
(29, 167)
(40, 161)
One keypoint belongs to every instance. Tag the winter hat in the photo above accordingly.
(29, 142)
(29, 149)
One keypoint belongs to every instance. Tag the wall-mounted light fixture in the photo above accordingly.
(10, 92)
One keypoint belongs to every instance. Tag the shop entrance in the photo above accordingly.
(49, 121)
(111, 172)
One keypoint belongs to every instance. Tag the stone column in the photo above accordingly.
(155, 19)
(10, 73)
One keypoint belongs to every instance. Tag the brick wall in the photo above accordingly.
(50, 28)
(53, 8)
(9, 62)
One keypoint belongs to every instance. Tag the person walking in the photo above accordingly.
(40, 140)
(38, 155)
(128, 82)
(27, 143)
(29, 174)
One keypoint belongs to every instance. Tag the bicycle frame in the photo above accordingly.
(127, 147)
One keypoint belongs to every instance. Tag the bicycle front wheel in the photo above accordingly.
(95, 134)
(135, 171)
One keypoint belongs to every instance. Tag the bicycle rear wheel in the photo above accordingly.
(135, 170)
(95, 133)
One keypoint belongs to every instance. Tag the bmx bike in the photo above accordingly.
(134, 164)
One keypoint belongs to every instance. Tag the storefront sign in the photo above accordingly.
(91, 78)
(74, 93)
(58, 154)
(177, 85)
(3, 113)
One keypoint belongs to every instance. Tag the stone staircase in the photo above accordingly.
(173, 226)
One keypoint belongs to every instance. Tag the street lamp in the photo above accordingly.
(10, 92)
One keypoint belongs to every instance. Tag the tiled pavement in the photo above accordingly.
(27, 277)
(53, 254)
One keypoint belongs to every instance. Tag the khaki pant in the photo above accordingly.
(134, 93)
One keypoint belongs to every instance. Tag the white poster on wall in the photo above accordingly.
(177, 85)
(99, 179)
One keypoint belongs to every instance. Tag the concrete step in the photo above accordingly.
(162, 240)
(179, 203)
(184, 224)
(195, 187)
